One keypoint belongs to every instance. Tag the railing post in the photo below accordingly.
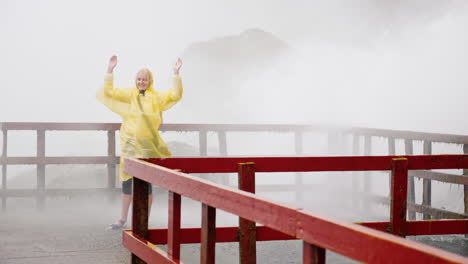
(111, 166)
(411, 190)
(247, 229)
(298, 142)
(312, 254)
(333, 139)
(391, 152)
(140, 213)
(208, 235)
(173, 234)
(222, 143)
(399, 193)
(40, 202)
(427, 189)
(367, 178)
(465, 187)
(355, 179)
(332, 143)
(203, 143)
(391, 146)
(4, 168)
(298, 177)
(367, 145)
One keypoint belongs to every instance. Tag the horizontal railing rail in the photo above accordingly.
(361, 137)
(387, 133)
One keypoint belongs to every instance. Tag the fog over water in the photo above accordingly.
(391, 64)
(373, 63)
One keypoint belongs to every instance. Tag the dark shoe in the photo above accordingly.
(120, 224)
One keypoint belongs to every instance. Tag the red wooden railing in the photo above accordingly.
(362, 144)
(363, 242)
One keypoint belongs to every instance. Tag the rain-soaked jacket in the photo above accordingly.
(141, 117)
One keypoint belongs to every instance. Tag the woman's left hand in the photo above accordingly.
(177, 66)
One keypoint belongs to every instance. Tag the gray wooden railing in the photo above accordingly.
(336, 137)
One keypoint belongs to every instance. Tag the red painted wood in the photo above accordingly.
(465, 188)
(296, 164)
(223, 234)
(173, 236)
(229, 234)
(208, 235)
(417, 228)
(145, 250)
(247, 230)
(367, 245)
(313, 229)
(268, 164)
(246, 174)
(399, 194)
(381, 226)
(236, 202)
(312, 254)
(437, 227)
(140, 208)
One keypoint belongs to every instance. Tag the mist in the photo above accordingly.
(393, 64)
(382, 64)
(409, 75)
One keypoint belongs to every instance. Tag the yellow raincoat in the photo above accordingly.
(141, 117)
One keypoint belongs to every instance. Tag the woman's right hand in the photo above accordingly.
(112, 64)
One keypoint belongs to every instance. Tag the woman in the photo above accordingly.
(141, 110)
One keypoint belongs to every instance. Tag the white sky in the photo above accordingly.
(54, 53)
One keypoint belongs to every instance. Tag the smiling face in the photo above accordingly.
(143, 79)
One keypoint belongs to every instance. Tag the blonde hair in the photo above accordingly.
(149, 74)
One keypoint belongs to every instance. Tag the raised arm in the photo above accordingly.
(112, 64)
(109, 90)
(177, 66)
(172, 96)
(176, 91)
